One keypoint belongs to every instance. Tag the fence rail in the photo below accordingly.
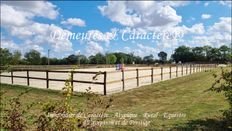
(179, 71)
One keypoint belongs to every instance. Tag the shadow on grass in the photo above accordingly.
(204, 125)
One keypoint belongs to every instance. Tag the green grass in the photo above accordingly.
(186, 95)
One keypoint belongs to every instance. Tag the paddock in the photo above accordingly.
(108, 80)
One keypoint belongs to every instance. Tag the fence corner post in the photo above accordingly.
(170, 72)
(28, 79)
(47, 79)
(152, 75)
(105, 75)
(176, 70)
(123, 80)
(137, 73)
(190, 69)
(161, 73)
(182, 72)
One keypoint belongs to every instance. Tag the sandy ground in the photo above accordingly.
(111, 76)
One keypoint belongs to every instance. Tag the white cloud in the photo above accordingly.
(34, 8)
(9, 44)
(99, 36)
(225, 3)
(127, 49)
(140, 50)
(29, 45)
(175, 3)
(216, 35)
(17, 19)
(12, 17)
(93, 48)
(196, 29)
(206, 4)
(74, 22)
(140, 13)
(205, 16)
(224, 25)
(40, 33)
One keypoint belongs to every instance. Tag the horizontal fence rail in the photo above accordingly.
(173, 71)
(178, 72)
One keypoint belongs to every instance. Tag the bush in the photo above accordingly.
(54, 115)
(223, 83)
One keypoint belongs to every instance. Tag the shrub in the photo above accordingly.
(223, 83)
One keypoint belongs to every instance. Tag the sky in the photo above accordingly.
(138, 27)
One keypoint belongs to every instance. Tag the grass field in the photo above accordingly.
(184, 99)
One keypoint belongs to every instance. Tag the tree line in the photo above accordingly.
(182, 54)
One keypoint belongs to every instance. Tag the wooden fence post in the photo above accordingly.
(12, 77)
(170, 72)
(72, 80)
(123, 80)
(152, 74)
(177, 71)
(194, 70)
(186, 69)
(105, 75)
(28, 81)
(190, 69)
(182, 70)
(137, 72)
(161, 73)
(47, 79)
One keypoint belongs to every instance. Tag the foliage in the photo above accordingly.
(54, 115)
(16, 57)
(110, 59)
(5, 56)
(163, 56)
(184, 54)
(33, 57)
(202, 54)
(13, 113)
(72, 59)
(148, 59)
(223, 83)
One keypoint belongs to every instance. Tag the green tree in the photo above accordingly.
(5, 56)
(83, 59)
(100, 58)
(44, 60)
(72, 59)
(97, 59)
(207, 50)
(163, 56)
(33, 57)
(121, 56)
(16, 58)
(225, 51)
(122, 60)
(198, 54)
(183, 54)
(214, 55)
(111, 59)
(148, 59)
